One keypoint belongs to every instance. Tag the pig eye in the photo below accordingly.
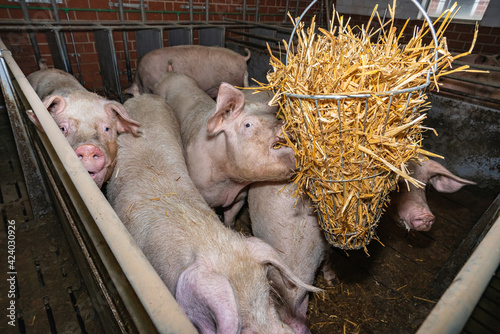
(247, 125)
(63, 129)
(106, 129)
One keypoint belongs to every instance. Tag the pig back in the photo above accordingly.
(153, 195)
(192, 251)
(290, 225)
(209, 66)
(52, 81)
(191, 104)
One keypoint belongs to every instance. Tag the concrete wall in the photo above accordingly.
(468, 138)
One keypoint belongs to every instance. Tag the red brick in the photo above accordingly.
(495, 31)
(154, 16)
(486, 39)
(16, 14)
(89, 67)
(490, 49)
(77, 4)
(108, 16)
(89, 58)
(86, 16)
(463, 28)
(170, 17)
(4, 14)
(81, 37)
(86, 47)
(99, 4)
(133, 16)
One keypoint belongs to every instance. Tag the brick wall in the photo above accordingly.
(459, 36)
(99, 10)
(271, 11)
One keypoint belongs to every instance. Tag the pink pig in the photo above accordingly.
(411, 204)
(217, 275)
(290, 225)
(209, 66)
(89, 122)
(229, 143)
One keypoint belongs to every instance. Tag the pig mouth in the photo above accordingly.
(98, 176)
(279, 143)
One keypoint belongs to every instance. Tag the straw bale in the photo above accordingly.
(353, 101)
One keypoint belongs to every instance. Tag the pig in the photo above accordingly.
(483, 83)
(229, 143)
(209, 66)
(89, 122)
(290, 225)
(217, 275)
(409, 202)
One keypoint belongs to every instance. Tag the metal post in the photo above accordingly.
(76, 53)
(31, 34)
(55, 10)
(125, 44)
(190, 10)
(244, 10)
(257, 11)
(207, 12)
(286, 9)
(143, 12)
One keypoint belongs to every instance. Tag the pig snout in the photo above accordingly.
(418, 220)
(94, 161)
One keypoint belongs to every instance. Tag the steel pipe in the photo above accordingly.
(159, 303)
(455, 306)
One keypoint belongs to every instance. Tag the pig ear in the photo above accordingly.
(125, 123)
(230, 102)
(54, 104)
(265, 254)
(32, 116)
(443, 180)
(205, 295)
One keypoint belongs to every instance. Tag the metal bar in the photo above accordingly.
(55, 10)
(63, 27)
(143, 13)
(257, 18)
(286, 9)
(493, 85)
(190, 10)
(125, 44)
(61, 47)
(61, 41)
(80, 76)
(261, 37)
(32, 36)
(455, 306)
(207, 10)
(161, 306)
(280, 28)
(33, 178)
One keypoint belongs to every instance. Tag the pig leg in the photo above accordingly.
(328, 271)
(232, 211)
